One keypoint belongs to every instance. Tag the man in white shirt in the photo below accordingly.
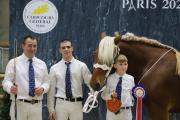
(119, 86)
(26, 77)
(67, 77)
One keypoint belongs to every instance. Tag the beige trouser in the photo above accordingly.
(65, 109)
(12, 110)
(26, 111)
(124, 114)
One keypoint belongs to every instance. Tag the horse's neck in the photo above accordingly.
(140, 57)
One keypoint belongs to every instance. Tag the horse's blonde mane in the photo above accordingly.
(144, 40)
(178, 62)
(152, 42)
(106, 50)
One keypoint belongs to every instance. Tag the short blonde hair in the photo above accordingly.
(121, 58)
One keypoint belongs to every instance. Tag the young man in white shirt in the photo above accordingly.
(26, 77)
(119, 86)
(67, 76)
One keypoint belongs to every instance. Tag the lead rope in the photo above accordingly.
(92, 101)
(154, 65)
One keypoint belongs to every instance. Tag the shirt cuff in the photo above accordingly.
(51, 110)
(44, 89)
(9, 89)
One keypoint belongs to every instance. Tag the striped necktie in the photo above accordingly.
(31, 79)
(119, 88)
(68, 81)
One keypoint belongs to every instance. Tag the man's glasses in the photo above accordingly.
(64, 47)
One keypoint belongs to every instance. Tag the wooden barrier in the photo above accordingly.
(1, 78)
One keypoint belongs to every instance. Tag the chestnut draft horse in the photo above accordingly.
(153, 65)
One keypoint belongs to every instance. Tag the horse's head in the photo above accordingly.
(104, 58)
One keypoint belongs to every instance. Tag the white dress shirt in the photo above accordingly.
(126, 93)
(21, 66)
(79, 73)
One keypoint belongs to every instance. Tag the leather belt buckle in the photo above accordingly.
(68, 99)
(33, 101)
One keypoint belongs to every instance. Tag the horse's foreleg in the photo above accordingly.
(158, 113)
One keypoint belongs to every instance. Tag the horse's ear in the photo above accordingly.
(102, 35)
(117, 37)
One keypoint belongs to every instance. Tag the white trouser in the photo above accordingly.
(12, 110)
(26, 111)
(65, 109)
(124, 114)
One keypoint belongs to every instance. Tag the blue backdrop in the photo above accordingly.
(83, 20)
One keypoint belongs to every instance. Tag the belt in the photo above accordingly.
(33, 101)
(125, 107)
(72, 99)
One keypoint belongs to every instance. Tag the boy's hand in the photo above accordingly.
(14, 89)
(114, 94)
(52, 116)
(39, 91)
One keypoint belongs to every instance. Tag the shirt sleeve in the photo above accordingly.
(46, 81)
(86, 74)
(106, 94)
(51, 92)
(9, 76)
(133, 84)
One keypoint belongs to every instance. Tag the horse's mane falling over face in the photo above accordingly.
(106, 50)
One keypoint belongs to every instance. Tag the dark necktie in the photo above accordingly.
(31, 79)
(119, 88)
(68, 81)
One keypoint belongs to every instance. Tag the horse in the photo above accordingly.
(154, 65)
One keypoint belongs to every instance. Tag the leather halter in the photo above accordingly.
(103, 67)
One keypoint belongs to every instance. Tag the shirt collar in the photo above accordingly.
(117, 75)
(26, 58)
(68, 61)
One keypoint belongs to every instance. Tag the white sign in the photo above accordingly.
(40, 16)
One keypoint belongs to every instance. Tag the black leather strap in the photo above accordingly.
(30, 101)
(72, 99)
(125, 107)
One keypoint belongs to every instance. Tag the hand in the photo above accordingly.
(114, 94)
(91, 92)
(39, 91)
(52, 116)
(14, 89)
